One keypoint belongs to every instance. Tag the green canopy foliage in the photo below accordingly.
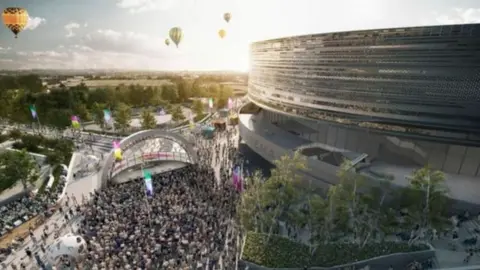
(17, 166)
(353, 212)
(148, 119)
(58, 103)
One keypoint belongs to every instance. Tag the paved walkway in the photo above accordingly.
(75, 188)
(447, 257)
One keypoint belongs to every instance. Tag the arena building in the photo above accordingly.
(389, 100)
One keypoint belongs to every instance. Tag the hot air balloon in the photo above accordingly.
(227, 16)
(176, 35)
(15, 19)
(222, 33)
(167, 42)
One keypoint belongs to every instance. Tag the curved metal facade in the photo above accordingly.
(422, 80)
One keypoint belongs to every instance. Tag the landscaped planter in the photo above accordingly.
(282, 253)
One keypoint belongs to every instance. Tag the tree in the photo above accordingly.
(18, 166)
(123, 116)
(177, 113)
(54, 158)
(250, 206)
(284, 190)
(97, 111)
(169, 93)
(427, 195)
(82, 112)
(15, 134)
(362, 220)
(197, 107)
(184, 89)
(148, 119)
(221, 102)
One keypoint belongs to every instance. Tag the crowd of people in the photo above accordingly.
(27, 206)
(186, 223)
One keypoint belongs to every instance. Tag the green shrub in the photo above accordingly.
(278, 252)
(4, 138)
(199, 117)
(281, 252)
(42, 188)
(60, 148)
(56, 175)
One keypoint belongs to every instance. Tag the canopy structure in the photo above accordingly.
(223, 112)
(233, 120)
(69, 245)
(156, 144)
(208, 132)
(219, 124)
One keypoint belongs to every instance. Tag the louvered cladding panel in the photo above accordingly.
(420, 79)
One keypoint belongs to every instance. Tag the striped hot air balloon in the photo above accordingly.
(176, 35)
(222, 33)
(227, 16)
(15, 19)
(167, 42)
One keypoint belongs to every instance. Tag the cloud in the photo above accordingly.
(53, 54)
(34, 22)
(104, 48)
(124, 42)
(81, 57)
(70, 27)
(110, 49)
(138, 6)
(459, 16)
(4, 50)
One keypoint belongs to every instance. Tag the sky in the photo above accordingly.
(130, 34)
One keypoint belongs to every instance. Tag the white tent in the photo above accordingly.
(69, 244)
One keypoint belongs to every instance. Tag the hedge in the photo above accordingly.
(199, 117)
(45, 146)
(42, 188)
(280, 252)
(57, 172)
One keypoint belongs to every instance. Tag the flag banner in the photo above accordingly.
(147, 178)
(117, 151)
(118, 154)
(210, 103)
(237, 179)
(230, 104)
(33, 110)
(107, 115)
(75, 121)
(116, 145)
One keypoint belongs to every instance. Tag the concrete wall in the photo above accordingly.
(271, 151)
(452, 159)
